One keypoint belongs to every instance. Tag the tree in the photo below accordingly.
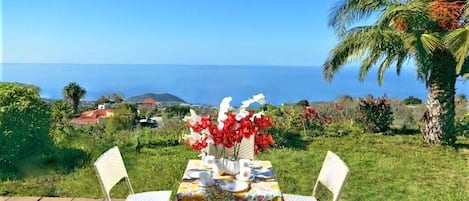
(72, 94)
(61, 113)
(101, 100)
(122, 119)
(117, 98)
(24, 125)
(431, 33)
(303, 103)
(411, 100)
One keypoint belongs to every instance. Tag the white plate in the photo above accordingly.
(205, 185)
(196, 174)
(238, 177)
(234, 185)
(263, 173)
(254, 165)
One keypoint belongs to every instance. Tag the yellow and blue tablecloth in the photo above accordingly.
(259, 189)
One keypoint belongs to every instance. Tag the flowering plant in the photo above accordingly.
(231, 128)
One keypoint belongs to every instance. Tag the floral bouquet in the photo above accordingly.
(231, 128)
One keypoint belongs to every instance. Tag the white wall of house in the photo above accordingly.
(104, 106)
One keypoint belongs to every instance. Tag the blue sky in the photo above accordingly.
(234, 32)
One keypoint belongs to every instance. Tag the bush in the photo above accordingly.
(405, 117)
(68, 159)
(288, 139)
(462, 126)
(24, 125)
(123, 119)
(375, 114)
(176, 111)
(412, 101)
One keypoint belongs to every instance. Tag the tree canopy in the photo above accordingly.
(24, 124)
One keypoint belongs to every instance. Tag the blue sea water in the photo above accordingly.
(208, 84)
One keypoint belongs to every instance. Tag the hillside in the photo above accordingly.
(164, 97)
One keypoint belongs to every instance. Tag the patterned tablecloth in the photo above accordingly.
(260, 188)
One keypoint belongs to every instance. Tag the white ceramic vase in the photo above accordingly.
(231, 166)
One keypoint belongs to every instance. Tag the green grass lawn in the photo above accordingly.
(382, 168)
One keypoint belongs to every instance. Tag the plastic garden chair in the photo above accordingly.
(110, 169)
(334, 172)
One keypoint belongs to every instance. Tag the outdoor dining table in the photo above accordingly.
(259, 188)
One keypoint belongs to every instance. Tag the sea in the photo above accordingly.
(209, 84)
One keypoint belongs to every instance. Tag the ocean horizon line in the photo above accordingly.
(208, 84)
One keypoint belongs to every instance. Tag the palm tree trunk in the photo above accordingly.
(438, 118)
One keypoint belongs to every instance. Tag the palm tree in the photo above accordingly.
(61, 112)
(72, 94)
(434, 34)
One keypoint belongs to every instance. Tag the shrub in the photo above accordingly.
(288, 139)
(123, 119)
(412, 101)
(24, 125)
(375, 114)
(461, 99)
(462, 126)
(176, 111)
(405, 116)
(303, 103)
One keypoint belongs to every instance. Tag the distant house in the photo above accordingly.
(147, 104)
(104, 106)
(92, 117)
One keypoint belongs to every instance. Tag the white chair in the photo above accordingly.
(334, 172)
(246, 149)
(110, 169)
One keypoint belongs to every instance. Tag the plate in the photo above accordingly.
(238, 177)
(205, 185)
(254, 165)
(196, 174)
(263, 173)
(234, 185)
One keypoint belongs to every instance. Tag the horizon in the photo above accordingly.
(205, 84)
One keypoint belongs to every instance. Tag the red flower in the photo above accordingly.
(233, 131)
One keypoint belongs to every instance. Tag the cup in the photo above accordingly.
(244, 162)
(209, 161)
(244, 173)
(205, 178)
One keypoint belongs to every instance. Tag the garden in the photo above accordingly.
(378, 138)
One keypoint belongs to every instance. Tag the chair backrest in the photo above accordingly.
(334, 172)
(246, 149)
(110, 169)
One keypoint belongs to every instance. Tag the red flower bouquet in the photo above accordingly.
(231, 128)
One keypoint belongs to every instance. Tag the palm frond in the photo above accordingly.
(347, 12)
(431, 42)
(465, 69)
(465, 14)
(367, 63)
(382, 68)
(457, 42)
(353, 46)
(406, 16)
(400, 61)
(369, 44)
